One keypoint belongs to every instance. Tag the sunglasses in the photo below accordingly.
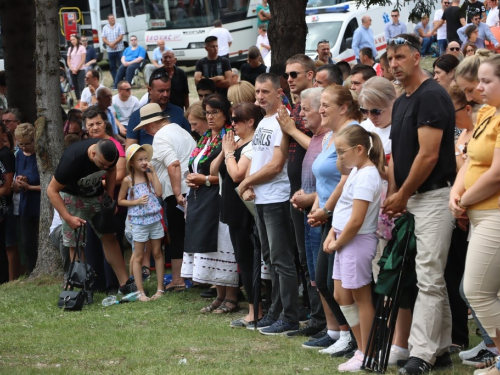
(292, 74)
(401, 41)
(129, 89)
(157, 76)
(456, 49)
(236, 119)
(445, 3)
(373, 112)
(470, 50)
(481, 128)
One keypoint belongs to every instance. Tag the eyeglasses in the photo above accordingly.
(481, 128)
(458, 110)
(214, 113)
(129, 89)
(470, 50)
(456, 49)
(236, 119)
(341, 153)
(401, 41)
(83, 40)
(373, 112)
(292, 74)
(9, 121)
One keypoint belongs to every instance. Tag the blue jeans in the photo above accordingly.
(313, 242)
(275, 233)
(114, 62)
(426, 46)
(127, 72)
(442, 43)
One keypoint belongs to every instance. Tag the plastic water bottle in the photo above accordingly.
(108, 301)
(131, 297)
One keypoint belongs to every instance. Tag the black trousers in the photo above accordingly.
(176, 227)
(241, 238)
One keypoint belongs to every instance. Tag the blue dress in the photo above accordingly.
(29, 205)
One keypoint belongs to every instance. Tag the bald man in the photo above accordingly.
(156, 62)
(454, 49)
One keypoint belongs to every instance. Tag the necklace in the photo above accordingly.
(367, 164)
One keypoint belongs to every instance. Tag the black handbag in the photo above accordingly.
(81, 275)
(105, 221)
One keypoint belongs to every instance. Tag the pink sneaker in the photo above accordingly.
(354, 364)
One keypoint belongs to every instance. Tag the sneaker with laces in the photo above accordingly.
(345, 344)
(279, 328)
(354, 364)
(415, 366)
(319, 334)
(265, 322)
(466, 354)
(397, 355)
(483, 356)
(308, 330)
(323, 342)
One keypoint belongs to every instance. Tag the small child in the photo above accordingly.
(353, 234)
(138, 192)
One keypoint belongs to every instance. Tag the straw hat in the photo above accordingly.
(132, 149)
(150, 113)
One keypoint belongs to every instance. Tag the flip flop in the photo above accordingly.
(175, 288)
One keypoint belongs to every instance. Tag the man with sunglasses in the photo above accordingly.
(454, 49)
(323, 50)
(88, 98)
(421, 173)
(363, 37)
(124, 103)
(395, 27)
(454, 20)
(159, 90)
(441, 31)
(484, 31)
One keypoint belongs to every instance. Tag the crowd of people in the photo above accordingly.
(310, 162)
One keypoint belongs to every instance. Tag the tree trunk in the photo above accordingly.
(49, 136)
(18, 39)
(287, 29)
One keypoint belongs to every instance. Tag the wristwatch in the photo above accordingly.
(207, 181)
(327, 212)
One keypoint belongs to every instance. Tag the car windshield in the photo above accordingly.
(320, 31)
(321, 3)
(182, 14)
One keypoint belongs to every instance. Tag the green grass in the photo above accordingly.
(142, 338)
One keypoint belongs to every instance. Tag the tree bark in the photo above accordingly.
(287, 29)
(49, 136)
(18, 39)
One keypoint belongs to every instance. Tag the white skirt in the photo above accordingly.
(217, 268)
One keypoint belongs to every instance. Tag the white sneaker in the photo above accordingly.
(466, 354)
(354, 364)
(396, 355)
(343, 345)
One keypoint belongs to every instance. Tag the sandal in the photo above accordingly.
(159, 293)
(212, 306)
(143, 298)
(175, 288)
(225, 309)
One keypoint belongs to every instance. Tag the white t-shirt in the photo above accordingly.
(384, 134)
(267, 137)
(223, 39)
(123, 110)
(144, 100)
(265, 40)
(56, 221)
(441, 32)
(363, 184)
(172, 143)
(87, 96)
(492, 19)
(247, 151)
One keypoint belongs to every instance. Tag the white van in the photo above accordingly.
(337, 24)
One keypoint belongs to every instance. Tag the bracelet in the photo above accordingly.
(460, 205)
(229, 153)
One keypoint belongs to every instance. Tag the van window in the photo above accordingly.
(349, 33)
(135, 7)
(119, 9)
(106, 8)
(322, 30)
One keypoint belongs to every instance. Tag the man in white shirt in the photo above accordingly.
(224, 38)
(89, 97)
(156, 62)
(492, 18)
(267, 183)
(441, 32)
(124, 103)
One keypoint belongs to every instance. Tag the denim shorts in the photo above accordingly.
(143, 233)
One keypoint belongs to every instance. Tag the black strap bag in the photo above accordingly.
(81, 275)
(105, 221)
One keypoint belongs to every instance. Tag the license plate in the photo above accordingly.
(179, 53)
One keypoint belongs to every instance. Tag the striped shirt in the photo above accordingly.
(111, 34)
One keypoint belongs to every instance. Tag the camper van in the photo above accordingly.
(337, 23)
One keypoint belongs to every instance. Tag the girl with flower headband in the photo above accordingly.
(353, 235)
(208, 252)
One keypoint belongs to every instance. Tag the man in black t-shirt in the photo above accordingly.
(421, 172)
(454, 20)
(214, 67)
(471, 8)
(76, 191)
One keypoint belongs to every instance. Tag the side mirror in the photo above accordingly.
(348, 42)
